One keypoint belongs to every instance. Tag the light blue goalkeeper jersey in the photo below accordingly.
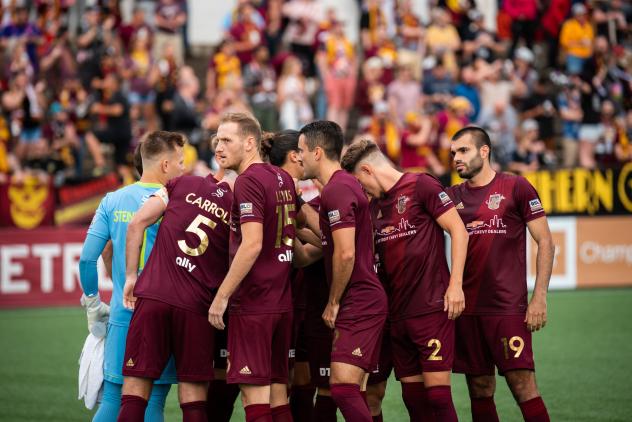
(110, 223)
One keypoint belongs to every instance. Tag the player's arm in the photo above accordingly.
(107, 257)
(305, 235)
(308, 217)
(149, 213)
(454, 300)
(536, 311)
(342, 266)
(96, 310)
(305, 254)
(245, 258)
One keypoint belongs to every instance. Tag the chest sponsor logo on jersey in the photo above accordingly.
(286, 256)
(444, 198)
(535, 205)
(185, 263)
(245, 208)
(401, 204)
(493, 203)
(334, 216)
(404, 228)
(495, 225)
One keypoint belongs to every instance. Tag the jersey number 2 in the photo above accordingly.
(195, 228)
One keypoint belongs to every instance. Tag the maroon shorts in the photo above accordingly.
(319, 355)
(258, 348)
(357, 341)
(385, 363)
(483, 342)
(423, 343)
(158, 330)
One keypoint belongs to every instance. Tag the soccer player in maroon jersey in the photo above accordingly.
(410, 212)
(171, 297)
(495, 328)
(357, 307)
(258, 282)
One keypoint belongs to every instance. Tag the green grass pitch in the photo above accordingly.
(583, 358)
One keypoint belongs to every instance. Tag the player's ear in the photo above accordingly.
(484, 151)
(366, 169)
(293, 156)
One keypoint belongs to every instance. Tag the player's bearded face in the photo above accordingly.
(469, 169)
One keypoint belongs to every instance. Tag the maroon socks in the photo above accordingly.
(440, 400)
(484, 410)
(350, 402)
(132, 409)
(534, 410)
(416, 401)
(194, 411)
(258, 413)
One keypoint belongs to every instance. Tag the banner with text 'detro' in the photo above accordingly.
(40, 267)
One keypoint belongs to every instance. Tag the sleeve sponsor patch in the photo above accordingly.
(535, 205)
(444, 198)
(245, 208)
(334, 216)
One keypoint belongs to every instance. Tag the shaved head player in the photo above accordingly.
(495, 328)
(357, 306)
(410, 212)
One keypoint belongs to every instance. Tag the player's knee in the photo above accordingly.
(192, 391)
(522, 385)
(374, 399)
(482, 386)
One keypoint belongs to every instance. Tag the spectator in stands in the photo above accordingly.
(500, 121)
(438, 83)
(141, 74)
(304, 18)
(610, 147)
(21, 30)
(111, 124)
(570, 109)
(530, 152)
(523, 15)
(576, 39)
(385, 132)
(339, 72)
(223, 67)
(294, 108)
(419, 145)
(260, 84)
(410, 36)
(442, 39)
(383, 47)
(185, 117)
(540, 105)
(403, 94)
(468, 88)
(137, 27)
(247, 35)
(170, 17)
(478, 40)
(371, 90)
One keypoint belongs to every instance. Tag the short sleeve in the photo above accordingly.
(99, 226)
(433, 197)
(340, 204)
(250, 196)
(527, 200)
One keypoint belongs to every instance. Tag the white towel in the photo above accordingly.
(91, 370)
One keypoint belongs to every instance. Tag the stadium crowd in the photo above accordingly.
(551, 81)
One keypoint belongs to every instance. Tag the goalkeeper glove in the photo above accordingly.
(97, 313)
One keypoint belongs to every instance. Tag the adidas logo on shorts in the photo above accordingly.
(245, 371)
(357, 352)
(130, 363)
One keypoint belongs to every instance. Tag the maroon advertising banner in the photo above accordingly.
(41, 267)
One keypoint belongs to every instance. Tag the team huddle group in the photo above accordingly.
(228, 285)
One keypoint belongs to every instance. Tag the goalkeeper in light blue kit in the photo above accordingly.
(162, 160)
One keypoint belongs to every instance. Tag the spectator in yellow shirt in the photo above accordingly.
(576, 39)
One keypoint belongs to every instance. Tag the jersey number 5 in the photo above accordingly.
(195, 228)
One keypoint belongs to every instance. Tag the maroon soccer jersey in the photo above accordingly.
(190, 256)
(265, 194)
(344, 205)
(495, 216)
(411, 246)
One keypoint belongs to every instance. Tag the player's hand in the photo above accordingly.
(454, 301)
(536, 313)
(129, 300)
(216, 312)
(97, 313)
(330, 314)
